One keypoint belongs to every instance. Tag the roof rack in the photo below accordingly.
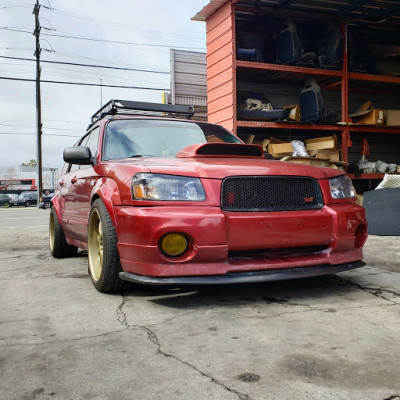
(127, 107)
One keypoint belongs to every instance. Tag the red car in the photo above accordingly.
(157, 200)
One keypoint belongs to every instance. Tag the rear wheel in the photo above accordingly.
(103, 257)
(59, 248)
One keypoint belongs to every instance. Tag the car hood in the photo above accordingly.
(216, 167)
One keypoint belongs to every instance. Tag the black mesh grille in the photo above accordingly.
(270, 193)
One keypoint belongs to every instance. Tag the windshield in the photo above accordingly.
(134, 138)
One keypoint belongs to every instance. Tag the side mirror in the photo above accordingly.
(78, 155)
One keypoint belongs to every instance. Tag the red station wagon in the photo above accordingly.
(159, 200)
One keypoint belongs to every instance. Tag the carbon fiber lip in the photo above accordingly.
(243, 277)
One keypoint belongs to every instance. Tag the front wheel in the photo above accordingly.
(59, 248)
(103, 257)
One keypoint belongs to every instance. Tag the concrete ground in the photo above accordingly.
(334, 337)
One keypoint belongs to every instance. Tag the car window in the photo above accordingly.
(92, 141)
(130, 138)
(89, 140)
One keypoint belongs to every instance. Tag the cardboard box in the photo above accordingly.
(321, 143)
(331, 155)
(279, 148)
(368, 115)
(310, 161)
(391, 117)
(264, 144)
(294, 112)
(250, 138)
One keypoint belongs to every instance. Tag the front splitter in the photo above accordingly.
(243, 277)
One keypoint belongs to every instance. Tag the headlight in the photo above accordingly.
(342, 187)
(147, 186)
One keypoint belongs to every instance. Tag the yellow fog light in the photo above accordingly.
(173, 244)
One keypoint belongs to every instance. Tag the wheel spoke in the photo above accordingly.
(95, 246)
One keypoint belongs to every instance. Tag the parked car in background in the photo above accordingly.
(14, 196)
(45, 200)
(160, 201)
(5, 199)
(25, 199)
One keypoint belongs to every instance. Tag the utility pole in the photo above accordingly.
(38, 50)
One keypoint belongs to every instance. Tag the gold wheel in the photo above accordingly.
(51, 232)
(95, 245)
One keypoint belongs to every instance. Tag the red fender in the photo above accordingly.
(55, 201)
(107, 190)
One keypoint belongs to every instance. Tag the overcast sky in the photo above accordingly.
(66, 109)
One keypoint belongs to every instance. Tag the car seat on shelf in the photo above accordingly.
(288, 45)
(312, 105)
(289, 48)
(330, 52)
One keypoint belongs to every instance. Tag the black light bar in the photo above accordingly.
(126, 107)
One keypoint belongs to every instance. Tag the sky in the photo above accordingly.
(149, 29)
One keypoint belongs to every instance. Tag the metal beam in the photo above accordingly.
(357, 4)
(382, 15)
(285, 3)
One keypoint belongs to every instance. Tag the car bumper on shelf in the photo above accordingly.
(243, 277)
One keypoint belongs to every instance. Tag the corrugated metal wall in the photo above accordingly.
(220, 71)
(189, 81)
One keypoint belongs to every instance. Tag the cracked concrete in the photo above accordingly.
(334, 337)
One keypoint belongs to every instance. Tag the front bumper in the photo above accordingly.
(243, 277)
(226, 244)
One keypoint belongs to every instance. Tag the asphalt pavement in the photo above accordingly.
(334, 337)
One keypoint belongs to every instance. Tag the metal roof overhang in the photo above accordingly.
(357, 11)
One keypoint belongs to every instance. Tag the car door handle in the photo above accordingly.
(61, 183)
(74, 180)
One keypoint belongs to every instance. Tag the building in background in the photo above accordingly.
(188, 81)
(18, 179)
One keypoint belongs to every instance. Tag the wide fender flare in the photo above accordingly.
(55, 201)
(107, 190)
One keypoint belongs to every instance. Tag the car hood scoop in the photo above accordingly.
(221, 150)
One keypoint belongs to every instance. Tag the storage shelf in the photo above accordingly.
(368, 176)
(288, 68)
(287, 125)
(230, 79)
(373, 129)
(374, 78)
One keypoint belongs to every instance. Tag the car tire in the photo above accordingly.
(59, 248)
(46, 205)
(103, 258)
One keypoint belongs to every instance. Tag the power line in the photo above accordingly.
(70, 122)
(3, 7)
(87, 65)
(31, 126)
(83, 84)
(92, 39)
(33, 133)
(71, 14)
(68, 36)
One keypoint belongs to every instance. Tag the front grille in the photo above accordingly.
(270, 193)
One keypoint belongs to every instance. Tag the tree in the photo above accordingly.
(30, 163)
